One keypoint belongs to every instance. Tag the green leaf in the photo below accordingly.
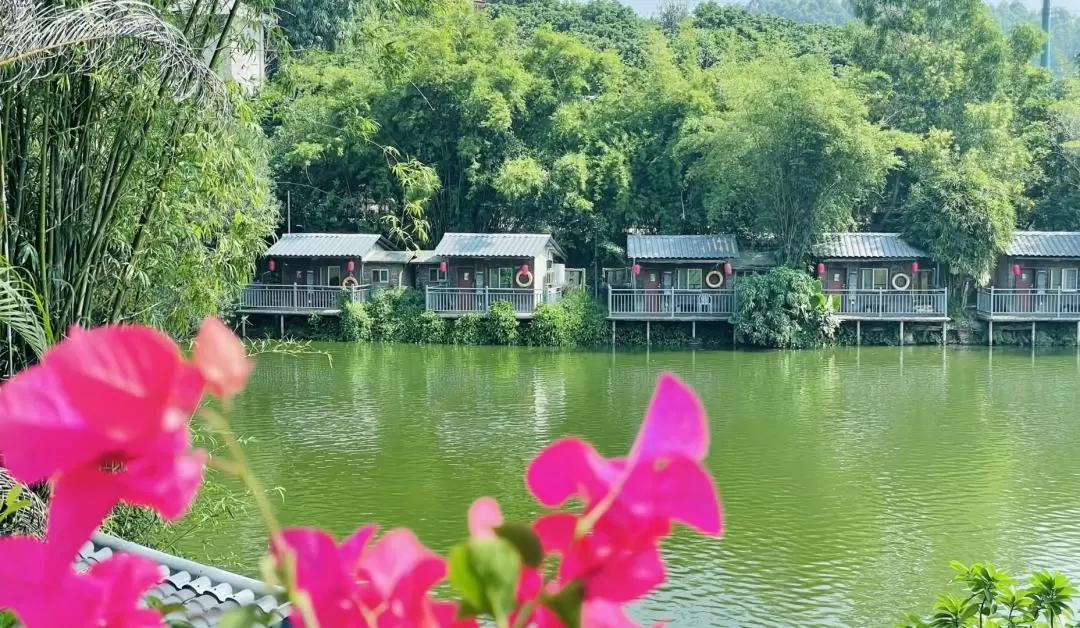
(464, 579)
(497, 566)
(566, 604)
(524, 540)
(243, 617)
(466, 611)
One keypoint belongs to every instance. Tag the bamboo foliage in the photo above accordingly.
(103, 120)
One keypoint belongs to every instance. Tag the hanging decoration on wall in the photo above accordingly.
(820, 270)
(727, 268)
(442, 266)
(1016, 270)
(524, 278)
(351, 266)
(273, 265)
(637, 269)
(914, 267)
(714, 279)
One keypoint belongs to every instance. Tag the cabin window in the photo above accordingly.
(874, 279)
(1068, 279)
(1055, 279)
(380, 275)
(435, 275)
(693, 279)
(333, 275)
(668, 278)
(504, 278)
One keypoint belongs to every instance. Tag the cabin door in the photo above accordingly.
(466, 280)
(1023, 287)
(652, 287)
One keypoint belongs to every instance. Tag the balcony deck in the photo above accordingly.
(451, 302)
(1021, 306)
(638, 304)
(890, 305)
(297, 299)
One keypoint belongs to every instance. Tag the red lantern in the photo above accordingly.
(351, 266)
(727, 268)
(524, 268)
(914, 267)
(820, 269)
(637, 269)
(272, 265)
(1016, 270)
(442, 267)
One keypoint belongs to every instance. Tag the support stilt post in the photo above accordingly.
(991, 334)
(243, 327)
(858, 333)
(1032, 334)
(648, 333)
(693, 329)
(613, 332)
(901, 333)
(282, 319)
(945, 333)
(1078, 334)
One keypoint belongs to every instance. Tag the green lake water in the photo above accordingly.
(850, 477)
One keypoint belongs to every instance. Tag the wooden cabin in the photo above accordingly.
(1038, 278)
(680, 277)
(879, 276)
(467, 272)
(308, 272)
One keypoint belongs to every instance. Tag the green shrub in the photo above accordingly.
(355, 322)
(548, 327)
(783, 309)
(321, 327)
(395, 314)
(501, 324)
(431, 328)
(469, 329)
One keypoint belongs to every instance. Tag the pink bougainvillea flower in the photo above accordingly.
(221, 358)
(484, 516)
(104, 415)
(108, 595)
(383, 584)
(661, 479)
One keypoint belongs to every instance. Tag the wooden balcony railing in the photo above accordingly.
(691, 304)
(297, 298)
(885, 304)
(456, 301)
(1028, 304)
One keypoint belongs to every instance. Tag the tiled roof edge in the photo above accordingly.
(175, 563)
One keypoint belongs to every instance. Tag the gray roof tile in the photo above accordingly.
(328, 245)
(1044, 244)
(866, 246)
(492, 244)
(206, 593)
(717, 246)
(389, 257)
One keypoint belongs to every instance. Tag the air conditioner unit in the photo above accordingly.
(558, 274)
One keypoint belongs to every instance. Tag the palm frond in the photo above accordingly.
(102, 34)
(21, 309)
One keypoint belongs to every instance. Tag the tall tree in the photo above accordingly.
(790, 156)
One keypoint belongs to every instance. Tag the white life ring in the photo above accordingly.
(714, 279)
(523, 279)
(901, 281)
(349, 282)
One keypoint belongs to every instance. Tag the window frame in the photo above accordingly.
(1075, 279)
(384, 274)
(337, 269)
(690, 283)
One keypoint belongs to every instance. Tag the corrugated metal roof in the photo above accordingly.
(1044, 244)
(866, 246)
(492, 244)
(715, 246)
(205, 593)
(327, 245)
(426, 257)
(389, 257)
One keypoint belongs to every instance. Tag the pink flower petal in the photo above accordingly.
(679, 489)
(675, 424)
(80, 502)
(40, 432)
(221, 358)
(556, 531)
(629, 574)
(399, 566)
(167, 484)
(320, 574)
(567, 468)
(353, 548)
(445, 616)
(604, 614)
(125, 579)
(484, 516)
(41, 598)
(121, 380)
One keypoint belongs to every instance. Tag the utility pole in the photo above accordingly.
(1046, 29)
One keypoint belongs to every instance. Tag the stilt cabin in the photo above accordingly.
(680, 277)
(1038, 278)
(467, 272)
(879, 276)
(304, 273)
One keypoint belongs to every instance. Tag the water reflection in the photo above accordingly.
(850, 477)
